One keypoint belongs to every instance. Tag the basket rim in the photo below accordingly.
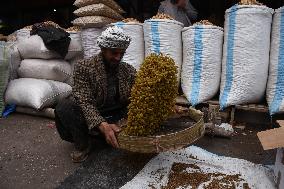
(200, 121)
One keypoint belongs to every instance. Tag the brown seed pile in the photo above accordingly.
(152, 96)
(249, 2)
(162, 16)
(203, 22)
(130, 20)
(180, 178)
(28, 27)
(50, 23)
(12, 37)
(73, 29)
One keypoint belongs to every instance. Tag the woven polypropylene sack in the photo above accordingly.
(14, 60)
(93, 21)
(245, 54)
(202, 61)
(164, 36)
(275, 86)
(58, 70)
(36, 93)
(89, 41)
(112, 4)
(33, 47)
(23, 34)
(4, 73)
(135, 53)
(98, 10)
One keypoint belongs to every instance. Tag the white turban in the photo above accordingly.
(113, 37)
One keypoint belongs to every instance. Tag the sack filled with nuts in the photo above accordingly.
(130, 20)
(98, 10)
(110, 3)
(135, 53)
(164, 36)
(93, 21)
(152, 96)
(162, 16)
(202, 60)
(246, 53)
(249, 2)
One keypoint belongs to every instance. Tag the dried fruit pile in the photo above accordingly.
(152, 96)
(203, 22)
(73, 29)
(130, 20)
(180, 178)
(162, 16)
(249, 2)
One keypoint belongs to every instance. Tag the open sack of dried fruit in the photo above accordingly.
(196, 168)
(153, 126)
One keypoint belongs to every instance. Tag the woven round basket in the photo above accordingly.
(168, 142)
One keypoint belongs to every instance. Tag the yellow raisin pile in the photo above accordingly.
(152, 96)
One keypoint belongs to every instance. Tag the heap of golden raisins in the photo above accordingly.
(152, 96)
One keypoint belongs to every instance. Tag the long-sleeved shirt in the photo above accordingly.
(91, 91)
(183, 15)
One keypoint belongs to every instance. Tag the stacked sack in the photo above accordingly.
(135, 53)
(4, 73)
(43, 75)
(162, 34)
(275, 86)
(245, 54)
(93, 16)
(202, 59)
(25, 32)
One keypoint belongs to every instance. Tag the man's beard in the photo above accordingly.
(111, 65)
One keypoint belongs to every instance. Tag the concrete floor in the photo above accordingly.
(33, 156)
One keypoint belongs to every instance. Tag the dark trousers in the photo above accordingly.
(71, 124)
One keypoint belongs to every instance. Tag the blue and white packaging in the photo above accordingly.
(275, 86)
(164, 36)
(135, 53)
(202, 61)
(245, 54)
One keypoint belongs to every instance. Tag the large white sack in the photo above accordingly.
(164, 36)
(89, 41)
(195, 162)
(23, 34)
(245, 54)
(33, 47)
(36, 93)
(202, 61)
(58, 70)
(14, 60)
(275, 86)
(135, 53)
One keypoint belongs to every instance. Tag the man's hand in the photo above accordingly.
(110, 131)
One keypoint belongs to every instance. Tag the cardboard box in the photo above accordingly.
(272, 139)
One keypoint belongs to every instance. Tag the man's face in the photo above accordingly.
(113, 56)
(181, 3)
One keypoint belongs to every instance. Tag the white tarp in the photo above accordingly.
(199, 162)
